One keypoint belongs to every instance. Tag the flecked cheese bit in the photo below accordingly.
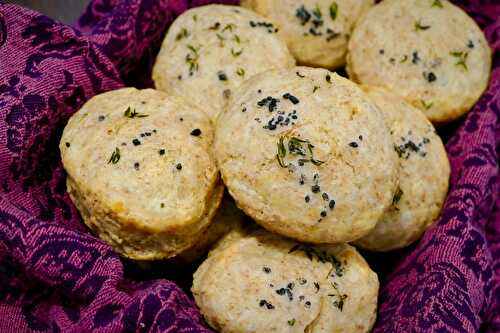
(424, 175)
(316, 32)
(261, 282)
(210, 50)
(301, 152)
(140, 171)
(428, 51)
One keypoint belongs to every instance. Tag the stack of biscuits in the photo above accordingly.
(247, 100)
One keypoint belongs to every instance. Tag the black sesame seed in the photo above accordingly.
(308, 304)
(415, 58)
(161, 151)
(244, 109)
(154, 131)
(179, 77)
(328, 78)
(315, 188)
(281, 291)
(136, 165)
(68, 144)
(381, 51)
(325, 196)
(470, 45)
(331, 204)
(196, 132)
(307, 199)
(147, 134)
(178, 166)
(290, 285)
(266, 269)
(323, 213)
(302, 281)
(431, 77)
(181, 119)
(101, 118)
(360, 138)
(291, 98)
(259, 91)
(301, 298)
(136, 142)
(353, 144)
(222, 76)
(162, 205)
(143, 102)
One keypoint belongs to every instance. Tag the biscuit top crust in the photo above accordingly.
(316, 32)
(307, 162)
(143, 155)
(210, 50)
(428, 51)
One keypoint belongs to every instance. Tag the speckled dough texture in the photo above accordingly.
(430, 52)
(316, 32)
(307, 159)
(424, 175)
(262, 282)
(209, 51)
(228, 218)
(141, 172)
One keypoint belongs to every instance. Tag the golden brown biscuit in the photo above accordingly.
(210, 50)
(428, 51)
(141, 172)
(262, 282)
(301, 152)
(424, 175)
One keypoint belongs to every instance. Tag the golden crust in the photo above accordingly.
(435, 56)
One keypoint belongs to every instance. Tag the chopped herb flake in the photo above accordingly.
(437, 3)
(115, 157)
(461, 58)
(240, 71)
(236, 53)
(397, 196)
(333, 10)
(129, 113)
(420, 26)
(182, 34)
(291, 322)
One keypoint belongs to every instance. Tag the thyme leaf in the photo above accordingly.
(115, 157)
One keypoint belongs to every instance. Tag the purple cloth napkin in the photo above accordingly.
(55, 276)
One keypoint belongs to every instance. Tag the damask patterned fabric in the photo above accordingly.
(56, 277)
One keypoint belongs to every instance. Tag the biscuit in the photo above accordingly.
(428, 51)
(209, 51)
(262, 282)
(316, 32)
(301, 151)
(424, 175)
(141, 172)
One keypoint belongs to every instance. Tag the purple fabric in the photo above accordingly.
(55, 276)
